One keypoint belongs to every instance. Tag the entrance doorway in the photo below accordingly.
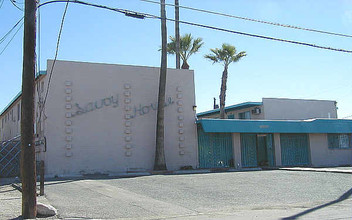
(214, 149)
(257, 150)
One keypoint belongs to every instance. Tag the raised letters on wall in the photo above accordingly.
(113, 101)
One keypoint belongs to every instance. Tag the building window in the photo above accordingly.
(18, 112)
(244, 115)
(339, 141)
(231, 116)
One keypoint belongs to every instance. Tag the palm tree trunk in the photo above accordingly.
(159, 163)
(185, 65)
(223, 92)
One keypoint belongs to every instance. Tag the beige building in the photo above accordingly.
(275, 132)
(101, 118)
(277, 109)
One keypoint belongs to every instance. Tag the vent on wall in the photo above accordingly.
(256, 111)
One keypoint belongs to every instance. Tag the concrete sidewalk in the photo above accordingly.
(11, 199)
(345, 170)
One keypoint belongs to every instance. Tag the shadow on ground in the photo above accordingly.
(345, 196)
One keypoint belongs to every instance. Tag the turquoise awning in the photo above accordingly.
(272, 126)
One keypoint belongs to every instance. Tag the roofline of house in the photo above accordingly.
(231, 107)
(37, 76)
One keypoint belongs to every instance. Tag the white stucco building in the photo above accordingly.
(101, 118)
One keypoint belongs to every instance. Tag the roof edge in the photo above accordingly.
(240, 105)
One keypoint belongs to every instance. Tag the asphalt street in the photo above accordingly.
(231, 195)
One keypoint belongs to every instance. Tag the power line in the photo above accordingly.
(123, 11)
(13, 2)
(144, 15)
(11, 39)
(55, 58)
(264, 37)
(255, 20)
(19, 2)
(4, 37)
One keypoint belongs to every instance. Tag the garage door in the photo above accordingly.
(294, 150)
(214, 149)
(249, 150)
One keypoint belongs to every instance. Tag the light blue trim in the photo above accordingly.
(231, 107)
(270, 126)
(12, 101)
(38, 74)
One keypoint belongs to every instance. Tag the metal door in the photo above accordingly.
(294, 149)
(249, 150)
(214, 149)
(270, 149)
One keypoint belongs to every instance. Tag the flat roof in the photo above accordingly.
(11, 102)
(231, 107)
(276, 126)
(38, 74)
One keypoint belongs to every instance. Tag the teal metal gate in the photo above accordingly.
(249, 150)
(271, 151)
(10, 158)
(257, 150)
(214, 149)
(294, 150)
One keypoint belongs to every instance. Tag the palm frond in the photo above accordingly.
(227, 54)
(212, 58)
(238, 56)
(188, 46)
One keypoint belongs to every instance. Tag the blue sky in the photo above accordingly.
(271, 69)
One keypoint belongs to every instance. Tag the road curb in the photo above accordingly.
(317, 170)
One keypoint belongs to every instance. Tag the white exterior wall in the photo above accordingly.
(321, 155)
(297, 109)
(236, 145)
(10, 123)
(119, 136)
(277, 150)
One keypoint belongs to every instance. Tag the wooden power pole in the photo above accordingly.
(28, 175)
(177, 33)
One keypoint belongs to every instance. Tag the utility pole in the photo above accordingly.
(28, 175)
(177, 33)
(159, 163)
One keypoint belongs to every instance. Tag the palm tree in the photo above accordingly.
(159, 163)
(188, 46)
(226, 55)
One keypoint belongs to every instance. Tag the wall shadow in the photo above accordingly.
(345, 196)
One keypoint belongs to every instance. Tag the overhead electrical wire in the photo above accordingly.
(264, 37)
(14, 4)
(55, 58)
(8, 43)
(4, 37)
(254, 20)
(144, 15)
